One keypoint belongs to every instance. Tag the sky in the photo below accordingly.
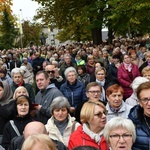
(27, 7)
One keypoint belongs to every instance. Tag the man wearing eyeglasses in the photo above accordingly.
(93, 93)
(140, 116)
(54, 75)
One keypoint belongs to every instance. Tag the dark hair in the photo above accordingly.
(141, 87)
(82, 67)
(1, 84)
(44, 72)
(20, 99)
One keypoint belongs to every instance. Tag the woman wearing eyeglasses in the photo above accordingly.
(120, 133)
(93, 118)
(140, 116)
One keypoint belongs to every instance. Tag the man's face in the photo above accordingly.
(50, 70)
(41, 81)
(67, 60)
(17, 78)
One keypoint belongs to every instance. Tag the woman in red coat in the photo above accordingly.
(90, 133)
(127, 72)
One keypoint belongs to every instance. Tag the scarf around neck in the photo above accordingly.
(95, 136)
(128, 66)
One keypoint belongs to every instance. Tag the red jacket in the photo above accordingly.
(79, 138)
(124, 79)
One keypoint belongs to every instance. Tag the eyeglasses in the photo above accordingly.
(100, 114)
(94, 92)
(145, 100)
(117, 136)
(52, 71)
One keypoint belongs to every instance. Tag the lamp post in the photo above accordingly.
(20, 28)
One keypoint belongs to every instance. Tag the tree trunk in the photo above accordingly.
(97, 36)
(110, 36)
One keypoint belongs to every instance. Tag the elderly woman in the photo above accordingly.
(146, 72)
(140, 116)
(115, 105)
(73, 89)
(93, 118)
(127, 72)
(102, 80)
(61, 124)
(120, 133)
(17, 76)
(22, 117)
(133, 100)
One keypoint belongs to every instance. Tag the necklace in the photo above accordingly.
(146, 122)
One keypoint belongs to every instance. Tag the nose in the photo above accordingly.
(121, 139)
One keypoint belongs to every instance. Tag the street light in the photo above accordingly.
(20, 28)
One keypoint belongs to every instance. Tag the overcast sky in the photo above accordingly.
(27, 7)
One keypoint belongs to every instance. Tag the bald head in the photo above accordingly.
(34, 127)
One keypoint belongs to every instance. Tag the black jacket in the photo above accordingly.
(9, 133)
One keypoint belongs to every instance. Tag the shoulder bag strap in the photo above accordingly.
(14, 127)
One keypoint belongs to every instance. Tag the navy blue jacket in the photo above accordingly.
(142, 131)
(74, 93)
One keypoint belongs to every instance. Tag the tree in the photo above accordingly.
(7, 28)
(78, 17)
(31, 32)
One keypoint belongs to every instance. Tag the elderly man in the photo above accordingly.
(67, 63)
(45, 96)
(32, 128)
(54, 75)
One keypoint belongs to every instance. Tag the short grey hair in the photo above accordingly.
(17, 70)
(116, 123)
(70, 69)
(137, 81)
(59, 102)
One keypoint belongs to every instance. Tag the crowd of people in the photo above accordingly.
(76, 97)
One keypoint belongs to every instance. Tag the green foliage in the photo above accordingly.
(7, 29)
(31, 32)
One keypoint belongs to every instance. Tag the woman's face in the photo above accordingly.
(98, 66)
(23, 108)
(100, 75)
(133, 55)
(99, 119)
(120, 139)
(71, 77)
(60, 114)
(1, 92)
(20, 92)
(126, 59)
(145, 94)
(115, 99)
(147, 75)
(80, 71)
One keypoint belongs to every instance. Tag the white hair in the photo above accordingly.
(137, 81)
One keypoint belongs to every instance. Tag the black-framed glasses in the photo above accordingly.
(118, 136)
(145, 100)
(100, 114)
(50, 71)
(94, 92)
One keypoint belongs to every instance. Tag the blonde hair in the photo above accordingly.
(145, 70)
(43, 139)
(18, 89)
(87, 111)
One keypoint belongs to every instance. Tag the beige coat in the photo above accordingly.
(54, 132)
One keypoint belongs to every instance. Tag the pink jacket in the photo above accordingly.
(124, 79)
